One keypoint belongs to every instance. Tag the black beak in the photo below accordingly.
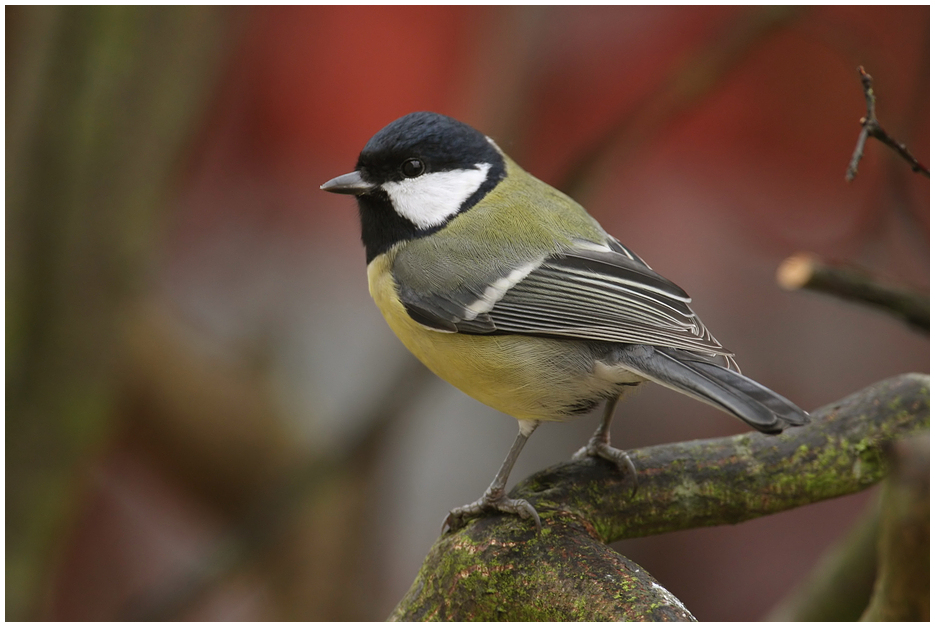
(351, 183)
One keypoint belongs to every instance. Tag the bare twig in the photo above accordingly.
(871, 128)
(807, 271)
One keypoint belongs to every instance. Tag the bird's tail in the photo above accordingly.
(730, 391)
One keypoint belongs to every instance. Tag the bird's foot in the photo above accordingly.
(491, 502)
(600, 448)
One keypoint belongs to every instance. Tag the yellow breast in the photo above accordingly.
(526, 377)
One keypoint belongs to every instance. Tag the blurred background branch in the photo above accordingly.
(100, 103)
(312, 485)
(901, 592)
(807, 271)
(839, 586)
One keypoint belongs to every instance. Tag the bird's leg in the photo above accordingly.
(495, 497)
(599, 446)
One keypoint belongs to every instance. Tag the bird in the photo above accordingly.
(509, 290)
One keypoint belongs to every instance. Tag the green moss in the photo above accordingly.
(687, 488)
(481, 576)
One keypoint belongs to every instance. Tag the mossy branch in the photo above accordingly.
(497, 568)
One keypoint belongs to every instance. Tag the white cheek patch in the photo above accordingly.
(429, 200)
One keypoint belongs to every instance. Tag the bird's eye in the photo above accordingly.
(412, 168)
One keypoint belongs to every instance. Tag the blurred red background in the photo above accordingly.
(254, 470)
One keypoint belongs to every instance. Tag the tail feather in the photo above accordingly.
(730, 391)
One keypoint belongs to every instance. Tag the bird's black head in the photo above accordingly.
(415, 175)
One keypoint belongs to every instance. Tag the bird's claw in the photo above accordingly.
(457, 517)
(603, 450)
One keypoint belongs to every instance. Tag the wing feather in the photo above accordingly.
(589, 292)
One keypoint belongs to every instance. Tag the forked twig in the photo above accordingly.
(871, 128)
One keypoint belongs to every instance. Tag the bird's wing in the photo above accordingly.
(589, 292)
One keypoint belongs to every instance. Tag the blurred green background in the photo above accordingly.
(207, 419)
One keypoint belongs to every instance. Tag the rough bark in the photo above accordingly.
(497, 568)
(492, 571)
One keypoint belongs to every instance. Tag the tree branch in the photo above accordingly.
(807, 271)
(500, 570)
(901, 592)
(497, 568)
(871, 128)
(840, 584)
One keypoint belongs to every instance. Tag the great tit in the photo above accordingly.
(509, 290)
